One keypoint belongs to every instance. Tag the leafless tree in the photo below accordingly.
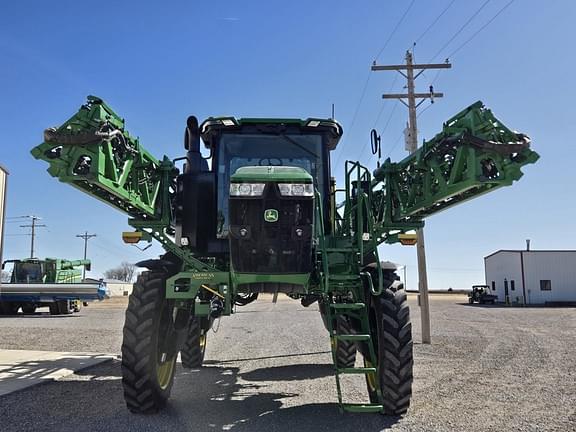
(124, 272)
(6, 276)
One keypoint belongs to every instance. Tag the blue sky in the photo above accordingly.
(156, 63)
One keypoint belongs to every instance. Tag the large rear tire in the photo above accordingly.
(65, 307)
(54, 308)
(391, 330)
(149, 346)
(345, 350)
(8, 308)
(192, 353)
(28, 308)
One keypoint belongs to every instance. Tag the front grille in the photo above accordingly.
(258, 246)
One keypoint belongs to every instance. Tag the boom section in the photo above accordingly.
(93, 152)
(474, 154)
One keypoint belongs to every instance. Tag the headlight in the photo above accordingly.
(246, 189)
(296, 189)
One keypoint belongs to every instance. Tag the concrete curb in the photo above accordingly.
(20, 369)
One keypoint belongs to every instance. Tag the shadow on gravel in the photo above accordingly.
(206, 399)
(296, 372)
(217, 362)
(39, 315)
(18, 373)
(519, 306)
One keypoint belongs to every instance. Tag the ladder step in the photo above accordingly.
(360, 370)
(347, 306)
(353, 337)
(352, 250)
(362, 408)
(344, 278)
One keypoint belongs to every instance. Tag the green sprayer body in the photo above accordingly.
(263, 214)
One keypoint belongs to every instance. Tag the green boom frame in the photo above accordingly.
(472, 155)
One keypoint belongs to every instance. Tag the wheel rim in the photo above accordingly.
(370, 377)
(202, 340)
(164, 372)
(165, 353)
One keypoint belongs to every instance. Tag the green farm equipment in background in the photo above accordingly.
(52, 282)
(259, 214)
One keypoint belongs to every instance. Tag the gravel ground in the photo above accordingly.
(268, 369)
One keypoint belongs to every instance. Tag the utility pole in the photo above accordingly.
(33, 226)
(86, 237)
(412, 146)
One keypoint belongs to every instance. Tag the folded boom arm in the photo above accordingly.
(93, 152)
(474, 154)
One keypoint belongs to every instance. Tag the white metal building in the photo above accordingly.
(3, 179)
(532, 276)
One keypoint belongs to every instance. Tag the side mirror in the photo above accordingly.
(192, 135)
(88, 266)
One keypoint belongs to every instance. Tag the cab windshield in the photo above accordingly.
(240, 150)
(28, 272)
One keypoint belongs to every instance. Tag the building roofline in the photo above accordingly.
(529, 251)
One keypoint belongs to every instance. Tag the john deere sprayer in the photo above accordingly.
(262, 214)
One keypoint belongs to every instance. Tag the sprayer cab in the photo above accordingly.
(290, 152)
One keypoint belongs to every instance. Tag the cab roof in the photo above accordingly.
(213, 126)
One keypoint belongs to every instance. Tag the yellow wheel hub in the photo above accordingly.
(202, 341)
(164, 371)
(371, 377)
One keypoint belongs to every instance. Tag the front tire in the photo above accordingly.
(345, 350)
(149, 346)
(391, 331)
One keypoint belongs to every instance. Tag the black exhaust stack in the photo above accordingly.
(195, 162)
(195, 226)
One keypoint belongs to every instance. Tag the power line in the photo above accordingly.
(33, 225)
(354, 117)
(395, 29)
(407, 70)
(378, 118)
(85, 237)
(436, 76)
(349, 130)
(386, 127)
(481, 28)
(383, 105)
(389, 118)
(425, 32)
(380, 111)
(455, 35)
(423, 111)
(105, 249)
(476, 33)
(395, 145)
